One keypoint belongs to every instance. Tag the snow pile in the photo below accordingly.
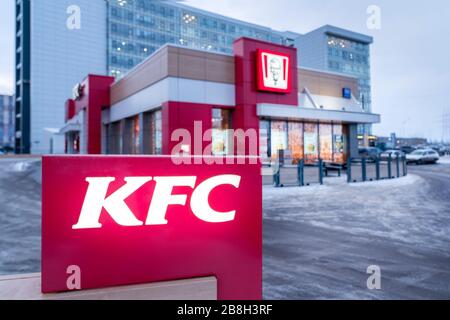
(444, 160)
(20, 166)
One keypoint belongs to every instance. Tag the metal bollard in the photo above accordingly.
(363, 169)
(300, 173)
(389, 166)
(398, 165)
(320, 171)
(377, 167)
(405, 166)
(349, 170)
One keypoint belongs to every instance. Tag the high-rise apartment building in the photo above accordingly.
(341, 51)
(52, 54)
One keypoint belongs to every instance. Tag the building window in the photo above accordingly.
(136, 136)
(326, 142)
(295, 141)
(311, 142)
(114, 138)
(221, 137)
(131, 143)
(339, 144)
(278, 137)
(152, 132)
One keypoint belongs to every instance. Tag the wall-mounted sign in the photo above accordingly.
(273, 71)
(118, 220)
(346, 93)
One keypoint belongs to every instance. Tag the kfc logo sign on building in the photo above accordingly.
(120, 220)
(273, 71)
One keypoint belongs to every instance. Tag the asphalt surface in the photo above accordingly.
(20, 216)
(318, 241)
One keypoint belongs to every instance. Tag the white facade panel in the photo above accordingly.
(286, 112)
(174, 89)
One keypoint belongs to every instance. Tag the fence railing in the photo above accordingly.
(300, 174)
(357, 169)
(364, 169)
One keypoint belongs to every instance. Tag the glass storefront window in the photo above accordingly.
(136, 138)
(221, 124)
(156, 125)
(114, 138)
(152, 133)
(298, 140)
(339, 145)
(295, 141)
(131, 136)
(325, 142)
(311, 142)
(278, 137)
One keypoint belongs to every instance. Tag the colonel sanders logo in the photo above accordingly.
(273, 72)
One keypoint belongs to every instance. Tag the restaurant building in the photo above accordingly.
(307, 113)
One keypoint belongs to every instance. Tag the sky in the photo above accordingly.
(410, 57)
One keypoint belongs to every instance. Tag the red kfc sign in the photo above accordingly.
(117, 220)
(273, 71)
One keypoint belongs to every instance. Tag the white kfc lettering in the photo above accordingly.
(199, 200)
(95, 200)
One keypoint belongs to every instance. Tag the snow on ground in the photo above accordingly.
(444, 160)
(379, 208)
(319, 240)
(20, 216)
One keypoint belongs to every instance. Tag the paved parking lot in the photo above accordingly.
(318, 240)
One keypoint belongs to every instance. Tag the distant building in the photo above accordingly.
(341, 51)
(298, 112)
(6, 121)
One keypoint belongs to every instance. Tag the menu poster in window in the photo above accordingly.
(310, 143)
(338, 143)
(220, 142)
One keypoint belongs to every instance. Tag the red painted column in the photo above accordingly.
(99, 98)
(184, 116)
(247, 95)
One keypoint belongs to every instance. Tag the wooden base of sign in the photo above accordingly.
(28, 287)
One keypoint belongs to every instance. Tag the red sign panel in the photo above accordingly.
(273, 71)
(118, 220)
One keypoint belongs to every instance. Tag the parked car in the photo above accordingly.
(422, 156)
(407, 149)
(394, 153)
(370, 153)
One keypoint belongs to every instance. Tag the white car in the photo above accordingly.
(394, 153)
(422, 156)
